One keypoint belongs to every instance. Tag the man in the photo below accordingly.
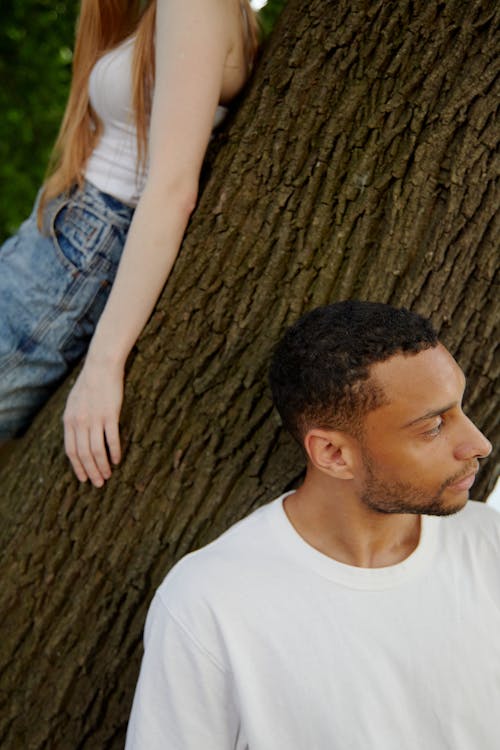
(351, 613)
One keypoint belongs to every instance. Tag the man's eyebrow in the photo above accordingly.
(430, 414)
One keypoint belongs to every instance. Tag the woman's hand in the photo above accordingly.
(91, 433)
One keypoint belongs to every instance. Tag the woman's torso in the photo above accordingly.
(114, 166)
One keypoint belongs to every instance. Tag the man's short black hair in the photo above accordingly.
(320, 370)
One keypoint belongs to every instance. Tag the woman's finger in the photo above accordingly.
(98, 450)
(112, 433)
(85, 456)
(71, 452)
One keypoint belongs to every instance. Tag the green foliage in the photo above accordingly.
(36, 39)
(269, 15)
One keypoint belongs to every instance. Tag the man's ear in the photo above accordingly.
(331, 451)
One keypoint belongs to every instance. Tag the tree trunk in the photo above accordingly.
(361, 163)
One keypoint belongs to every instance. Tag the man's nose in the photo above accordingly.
(472, 443)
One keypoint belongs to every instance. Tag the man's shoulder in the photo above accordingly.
(479, 514)
(214, 571)
(476, 521)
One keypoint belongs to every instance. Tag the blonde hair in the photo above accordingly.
(101, 27)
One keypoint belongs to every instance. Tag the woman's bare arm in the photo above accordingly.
(194, 39)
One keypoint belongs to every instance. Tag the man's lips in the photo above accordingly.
(465, 483)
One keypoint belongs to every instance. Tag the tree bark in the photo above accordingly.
(361, 163)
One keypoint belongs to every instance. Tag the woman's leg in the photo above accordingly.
(52, 291)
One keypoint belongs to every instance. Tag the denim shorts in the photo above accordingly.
(53, 288)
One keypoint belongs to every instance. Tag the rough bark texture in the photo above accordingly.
(361, 163)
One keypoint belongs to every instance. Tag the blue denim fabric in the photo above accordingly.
(53, 288)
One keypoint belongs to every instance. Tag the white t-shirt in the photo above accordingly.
(260, 642)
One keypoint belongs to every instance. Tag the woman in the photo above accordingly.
(125, 176)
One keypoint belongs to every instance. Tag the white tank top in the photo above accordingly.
(113, 165)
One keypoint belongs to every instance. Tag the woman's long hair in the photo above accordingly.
(101, 27)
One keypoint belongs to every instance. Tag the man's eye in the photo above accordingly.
(436, 429)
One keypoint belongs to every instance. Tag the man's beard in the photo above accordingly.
(387, 496)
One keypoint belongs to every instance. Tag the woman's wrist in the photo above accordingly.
(108, 359)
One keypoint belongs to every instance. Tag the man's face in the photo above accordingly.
(420, 452)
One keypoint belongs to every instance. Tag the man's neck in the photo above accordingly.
(332, 520)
